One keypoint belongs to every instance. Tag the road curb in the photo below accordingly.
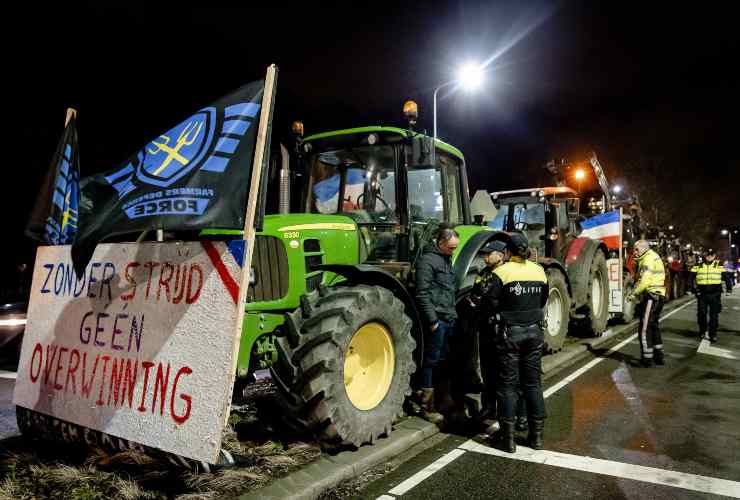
(308, 482)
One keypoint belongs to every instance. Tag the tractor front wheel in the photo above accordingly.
(345, 363)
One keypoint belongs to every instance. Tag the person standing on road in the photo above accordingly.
(519, 289)
(707, 286)
(436, 291)
(487, 324)
(649, 292)
(729, 276)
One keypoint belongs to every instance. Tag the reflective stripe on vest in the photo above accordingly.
(708, 273)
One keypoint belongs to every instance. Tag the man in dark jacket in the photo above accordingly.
(436, 291)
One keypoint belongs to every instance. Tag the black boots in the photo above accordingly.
(536, 432)
(658, 357)
(521, 423)
(504, 438)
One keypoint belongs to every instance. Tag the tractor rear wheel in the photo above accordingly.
(598, 296)
(557, 311)
(628, 307)
(345, 363)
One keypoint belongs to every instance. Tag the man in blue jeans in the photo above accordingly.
(436, 291)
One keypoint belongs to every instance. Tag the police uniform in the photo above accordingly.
(486, 321)
(650, 289)
(708, 289)
(519, 290)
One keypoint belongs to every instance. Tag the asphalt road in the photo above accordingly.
(614, 430)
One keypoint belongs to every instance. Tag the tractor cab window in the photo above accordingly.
(525, 216)
(357, 182)
(434, 193)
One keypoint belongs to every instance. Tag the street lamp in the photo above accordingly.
(580, 174)
(469, 77)
(617, 189)
(670, 228)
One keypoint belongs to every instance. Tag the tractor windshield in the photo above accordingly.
(359, 182)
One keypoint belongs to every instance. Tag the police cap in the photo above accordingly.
(517, 242)
(493, 246)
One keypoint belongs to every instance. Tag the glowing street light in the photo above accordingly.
(670, 228)
(469, 77)
(580, 174)
(617, 189)
(725, 231)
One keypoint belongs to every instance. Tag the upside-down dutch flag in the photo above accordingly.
(605, 227)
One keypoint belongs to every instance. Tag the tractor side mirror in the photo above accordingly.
(421, 152)
(574, 207)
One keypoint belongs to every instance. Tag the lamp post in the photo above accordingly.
(470, 77)
(729, 242)
(579, 177)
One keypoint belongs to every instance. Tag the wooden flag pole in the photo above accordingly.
(254, 195)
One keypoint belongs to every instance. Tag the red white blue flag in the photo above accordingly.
(605, 227)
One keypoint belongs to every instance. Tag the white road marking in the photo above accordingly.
(7, 374)
(426, 472)
(705, 347)
(694, 482)
(570, 378)
(441, 462)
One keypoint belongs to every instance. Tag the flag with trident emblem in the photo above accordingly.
(191, 177)
(54, 218)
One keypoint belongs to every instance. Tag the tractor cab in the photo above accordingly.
(547, 216)
(389, 183)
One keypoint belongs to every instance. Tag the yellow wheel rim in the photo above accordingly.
(369, 364)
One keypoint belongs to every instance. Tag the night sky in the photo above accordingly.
(652, 89)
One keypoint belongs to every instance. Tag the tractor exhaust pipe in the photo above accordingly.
(284, 180)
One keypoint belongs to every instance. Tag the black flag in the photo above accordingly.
(54, 217)
(193, 176)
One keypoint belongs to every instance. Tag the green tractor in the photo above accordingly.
(330, 310)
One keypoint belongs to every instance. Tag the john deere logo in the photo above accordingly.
(177, 152)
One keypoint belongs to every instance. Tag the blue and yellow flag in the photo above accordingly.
(54, 218)
(193, 176)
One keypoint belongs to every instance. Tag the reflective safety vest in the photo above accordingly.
(520, 286)
(708, 273)
(651, 274)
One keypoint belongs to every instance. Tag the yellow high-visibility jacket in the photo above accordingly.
(651, 274)
(708, 273)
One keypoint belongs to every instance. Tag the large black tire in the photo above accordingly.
(557, 311)
(628, 307)
(311, 362)
(598, 305)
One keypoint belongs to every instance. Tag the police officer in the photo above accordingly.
(707, 286)
(486, 315)
(519, 292)
(649, 292)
